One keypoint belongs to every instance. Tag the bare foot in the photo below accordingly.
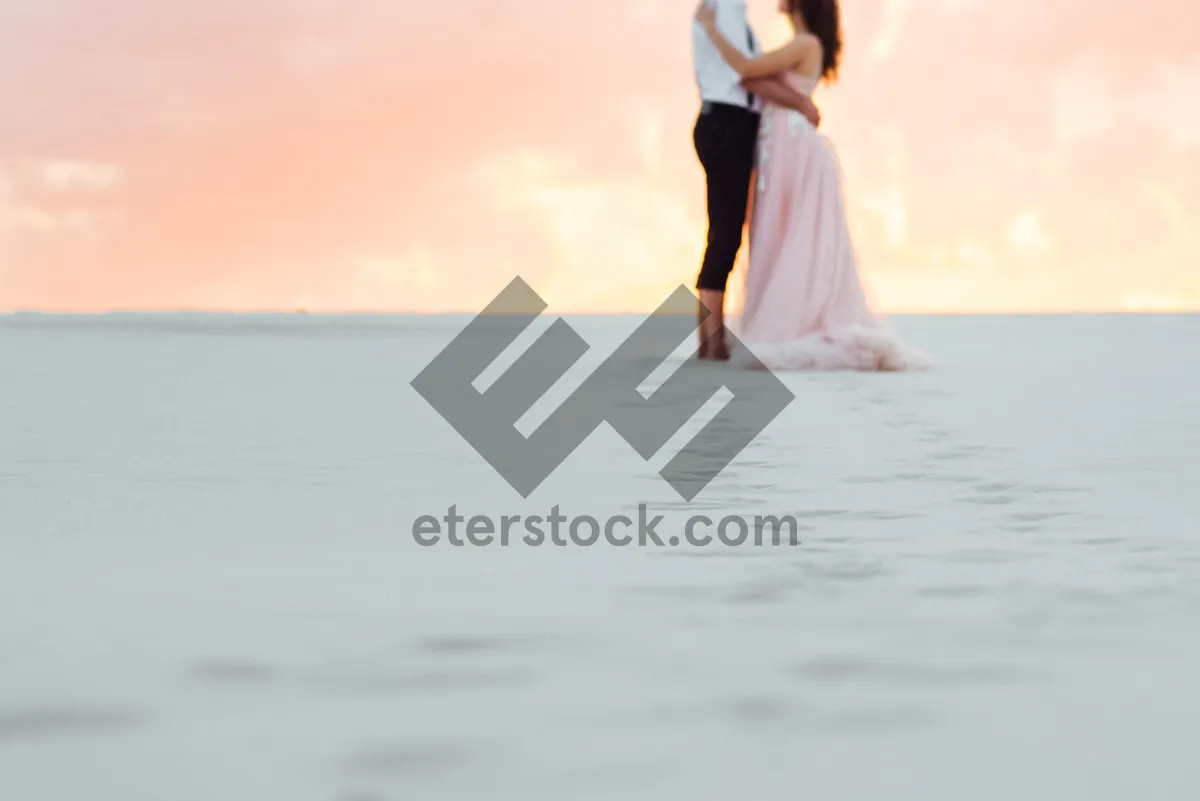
(719, 351)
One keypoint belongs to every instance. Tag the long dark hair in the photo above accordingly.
(824, 21)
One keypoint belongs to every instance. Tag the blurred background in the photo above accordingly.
(1035, 155)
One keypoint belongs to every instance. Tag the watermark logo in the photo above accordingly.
(487, 419)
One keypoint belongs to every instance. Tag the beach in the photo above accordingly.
(210, 586)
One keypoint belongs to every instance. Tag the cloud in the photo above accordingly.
(64, 174)
(275, 154)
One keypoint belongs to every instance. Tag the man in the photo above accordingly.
(725, 137)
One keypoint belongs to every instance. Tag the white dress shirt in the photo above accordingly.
(718, 82)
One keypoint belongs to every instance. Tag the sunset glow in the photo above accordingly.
(999, 155)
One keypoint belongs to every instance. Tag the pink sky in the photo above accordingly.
(392, 155)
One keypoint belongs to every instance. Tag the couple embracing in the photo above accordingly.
(805, 304)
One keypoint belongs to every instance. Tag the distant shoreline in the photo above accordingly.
(226, 313)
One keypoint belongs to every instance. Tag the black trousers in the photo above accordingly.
(725, 138)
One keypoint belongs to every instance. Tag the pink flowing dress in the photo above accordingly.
(805, 306)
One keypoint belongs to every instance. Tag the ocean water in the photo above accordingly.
(210, 586)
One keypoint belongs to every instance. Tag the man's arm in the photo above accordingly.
(777, 91)
(766, 65)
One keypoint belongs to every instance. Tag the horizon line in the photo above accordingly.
(628, 313)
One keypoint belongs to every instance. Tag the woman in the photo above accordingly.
(805, 305)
